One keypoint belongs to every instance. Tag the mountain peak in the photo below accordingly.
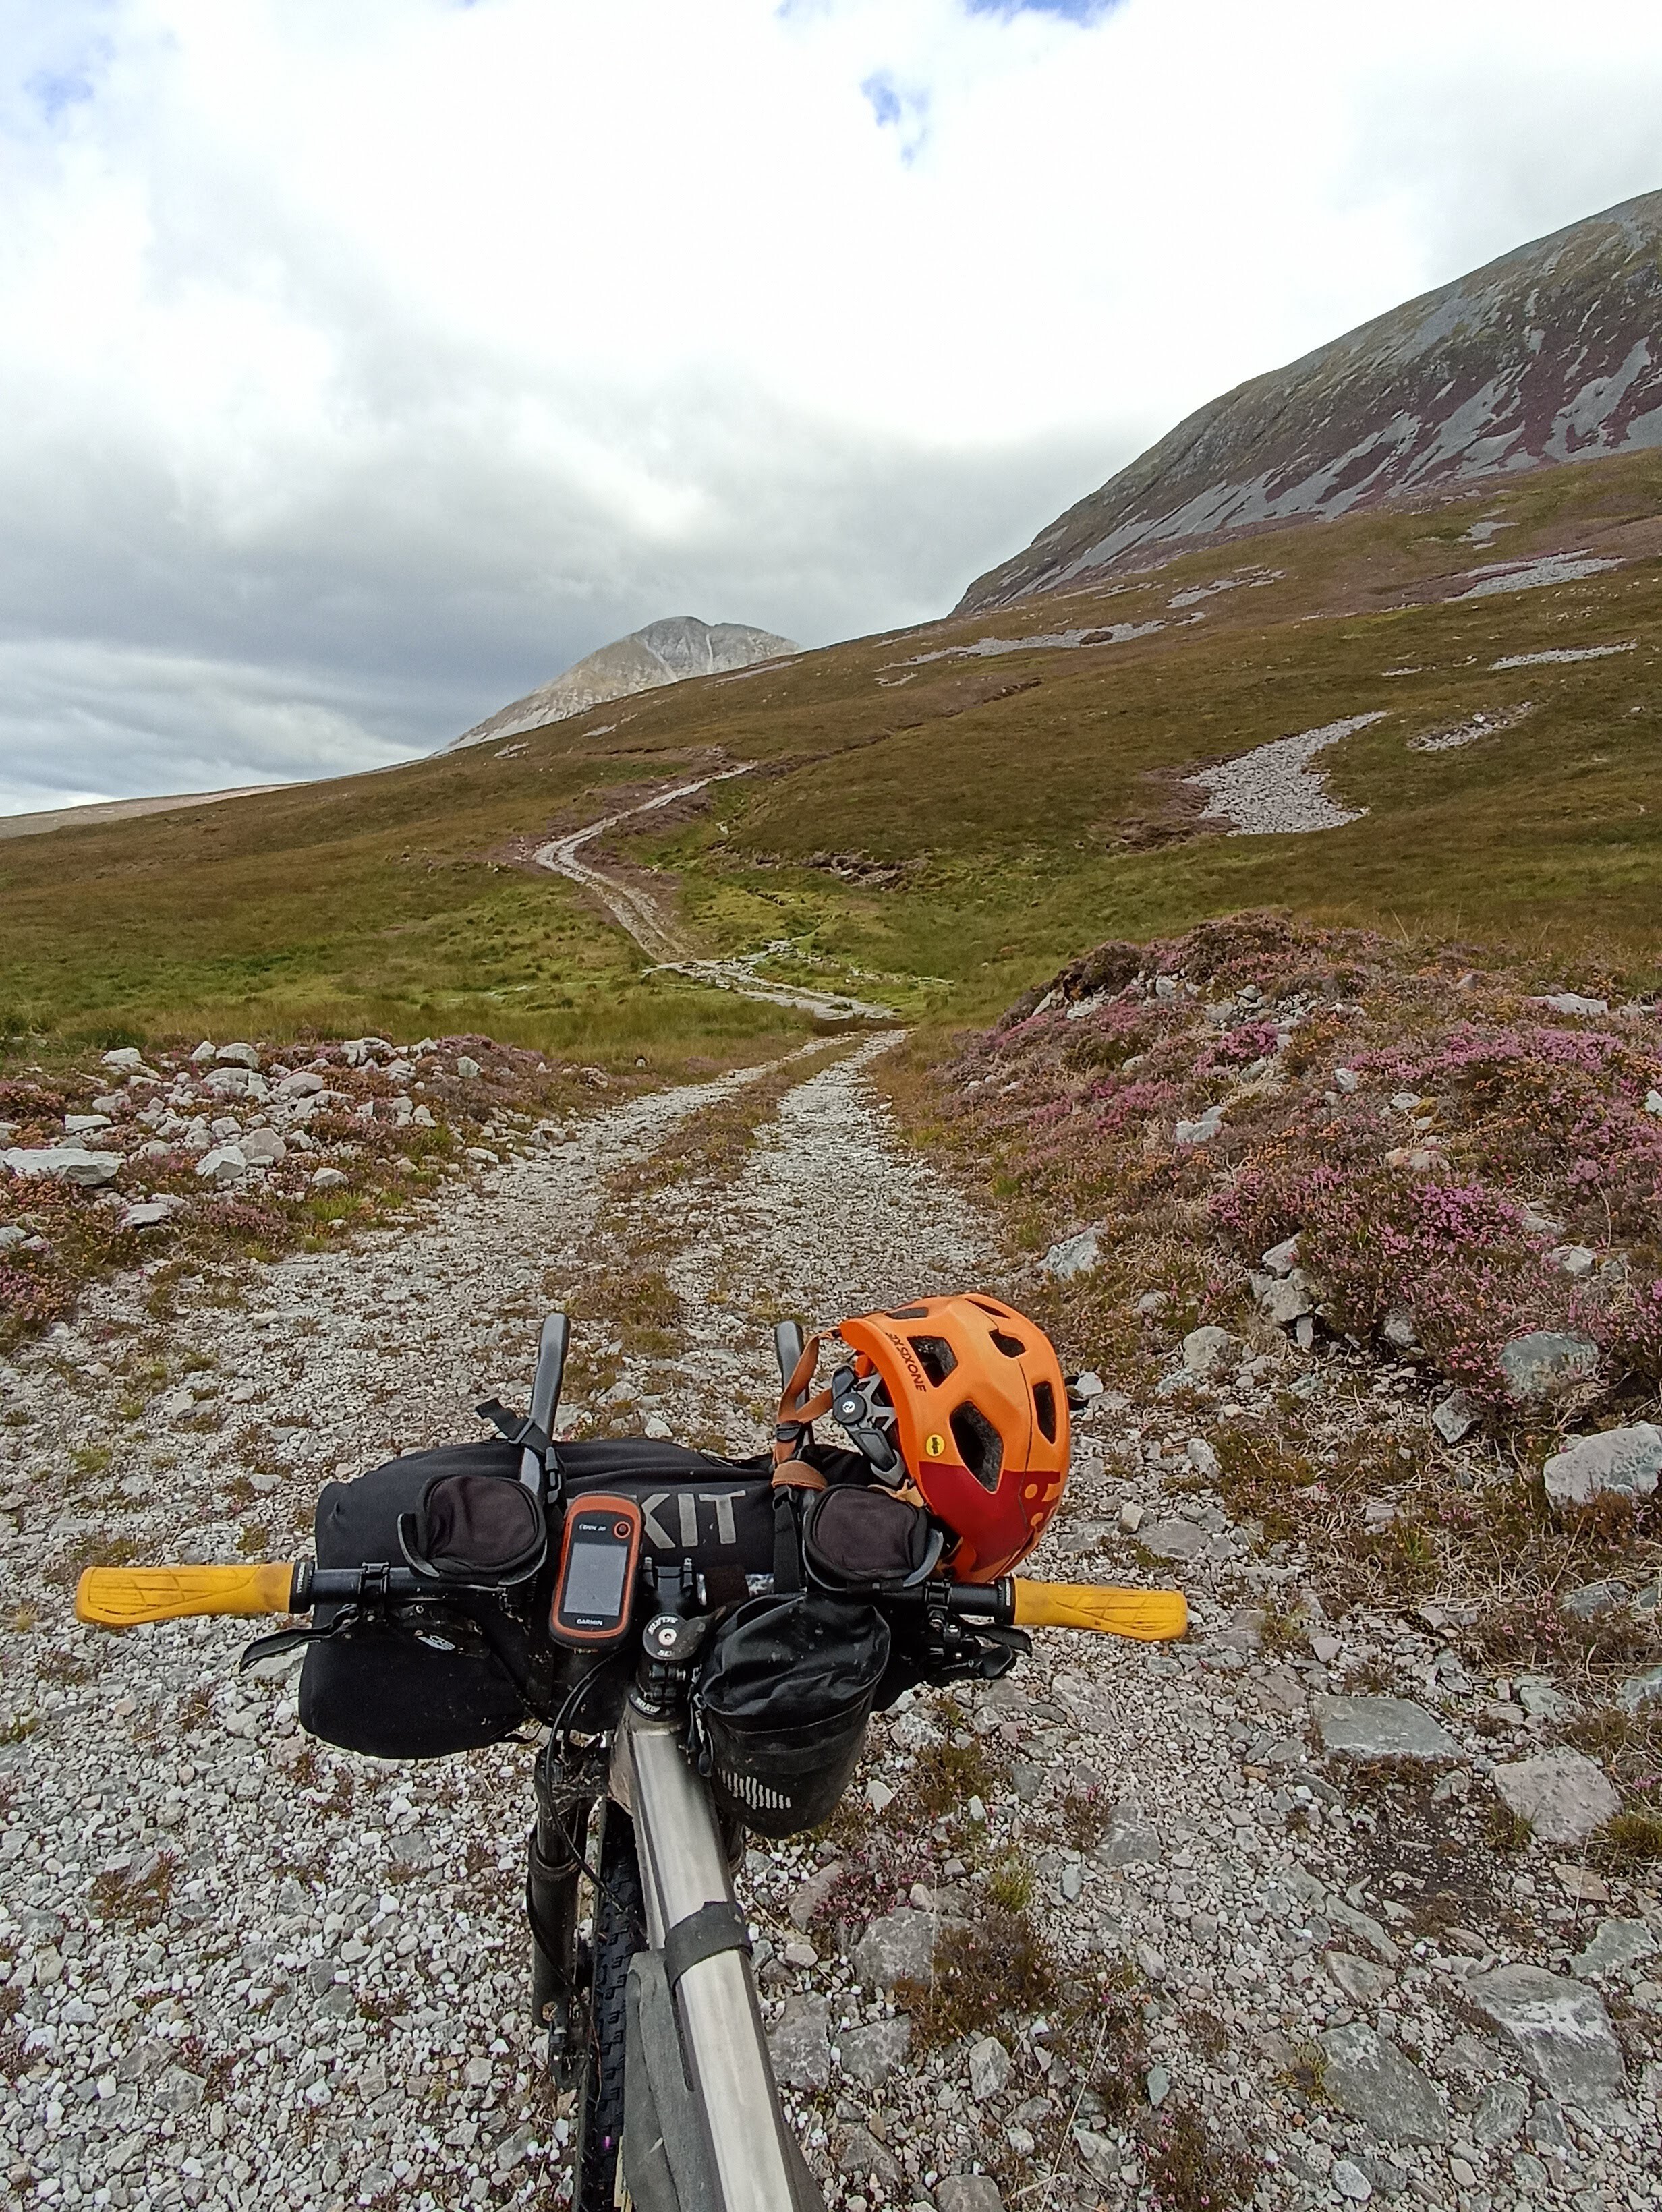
(1550, 354)
(665, 651)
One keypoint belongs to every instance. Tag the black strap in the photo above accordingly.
(787, 1541)
(713, 1928)
(519, 1429)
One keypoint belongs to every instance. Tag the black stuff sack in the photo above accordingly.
(475, 1529)
(864, 1538)
(782, 1704)
(447, 1678)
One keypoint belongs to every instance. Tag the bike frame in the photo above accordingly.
(724, 2050)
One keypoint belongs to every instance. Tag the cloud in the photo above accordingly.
(360, 368)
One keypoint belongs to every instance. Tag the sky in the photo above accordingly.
(362, 366)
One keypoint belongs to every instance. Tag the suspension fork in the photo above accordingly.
(684, 1868)
(566, 1793)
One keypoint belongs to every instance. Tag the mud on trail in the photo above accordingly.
(242, 1969)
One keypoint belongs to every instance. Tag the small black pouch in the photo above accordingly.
(475, 1530)
(782, 1704)
(864, 1539)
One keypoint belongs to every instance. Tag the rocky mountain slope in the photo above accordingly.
(665, 652)
(1549, 355)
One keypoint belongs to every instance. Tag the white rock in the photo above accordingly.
(151, 1213)
(263, 1148)
(1563, 1796)
(63, 1164)
(1454, 1418)
(203, 1053)
(328, 1178)
(1202, 1131)
(989, 2069)
(1626, 1461)
(1571, 1002)
(1281, 1259)
(1346, 1078)
(1653, 1102)
(1073, 1255)
(1203, 1349)
(1575, 1259)
(1560, 2029)
(467, 1067)
(303, 1083)
(1202, 1457)
(237, 1055)
(224, 1163)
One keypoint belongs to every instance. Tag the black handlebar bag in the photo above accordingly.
(782, 1704)
(448, 1674)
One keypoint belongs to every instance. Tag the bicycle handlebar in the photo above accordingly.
(122, 1597)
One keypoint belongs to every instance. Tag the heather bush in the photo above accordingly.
(1519, 1132)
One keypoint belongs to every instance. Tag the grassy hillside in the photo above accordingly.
(952, 825)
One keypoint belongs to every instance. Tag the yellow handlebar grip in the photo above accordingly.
(1150, 1616)
(120, 1597)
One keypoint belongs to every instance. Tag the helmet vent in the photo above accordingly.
(1011, 1347)
(909, 1313)
(979, 1444)
(1044, 1411)
(934, 1356)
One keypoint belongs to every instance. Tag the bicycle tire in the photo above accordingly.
(619, 1933)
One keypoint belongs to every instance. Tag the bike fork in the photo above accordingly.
(684, 1868)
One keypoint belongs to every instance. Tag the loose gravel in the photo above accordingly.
(242, 1969)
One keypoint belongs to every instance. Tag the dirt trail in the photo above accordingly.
(647, 920)
(249, 1971)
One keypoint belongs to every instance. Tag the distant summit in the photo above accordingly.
(665, 652)
(1553, 353)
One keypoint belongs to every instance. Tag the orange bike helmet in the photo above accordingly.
(979, 1417)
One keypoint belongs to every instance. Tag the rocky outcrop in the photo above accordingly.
(1550, 354)
(665, 652)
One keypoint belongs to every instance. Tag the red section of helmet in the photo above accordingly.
(976, 1441)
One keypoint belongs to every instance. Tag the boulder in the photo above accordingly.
(62, 1163)
(328, 1178)
(1281, 1259)
(1616, 1945)
(871, 2054)
(1173, 1540)
(1544, 1363)
(1073, 1255)
(799, 2044)
(1621, 1461)
(1642, 1690)
(968, 2192)
(1129, 1839)
(1593, 1599)
(989, 2069)
(237, 1055)
(1287, 1300)
(863, 2155)
(896, 1947)
(264, 1148)
(1361, 1980)
(1369, 2078)
(1571, 1002)
(1563, 1796)
(223, 1163)
(805, 1899)
(1202, 1131)
(1575, 1260)
(1558, 2027)
(1454, 1418)
(1500, 2114)
(151, 1213)
(1203, 1349)
(1380, 1728)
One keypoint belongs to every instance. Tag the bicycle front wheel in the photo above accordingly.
(619, 1933)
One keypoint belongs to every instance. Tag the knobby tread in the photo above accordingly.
(619, 1933)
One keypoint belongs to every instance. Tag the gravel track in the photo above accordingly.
(327, 2007)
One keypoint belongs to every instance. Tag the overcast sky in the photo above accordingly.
(364, 363)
